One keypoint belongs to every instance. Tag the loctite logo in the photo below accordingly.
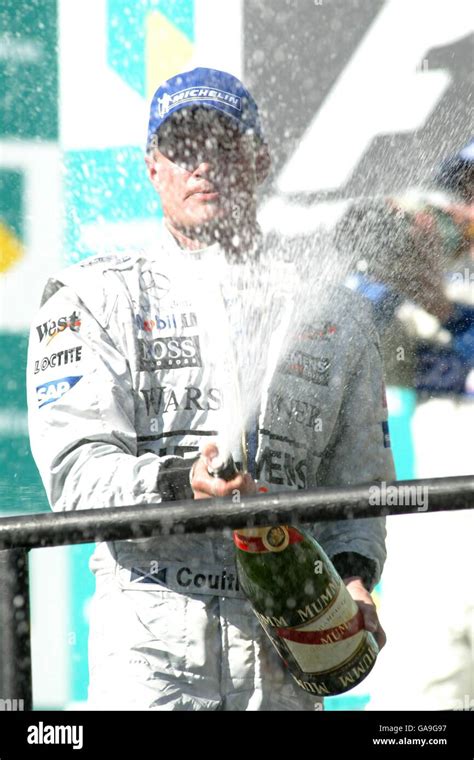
(169, 353)
(68, 356)
(53, 327)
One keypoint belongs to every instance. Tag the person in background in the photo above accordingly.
(417, 251)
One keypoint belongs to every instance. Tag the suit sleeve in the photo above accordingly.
(81, 410)
(359, 452)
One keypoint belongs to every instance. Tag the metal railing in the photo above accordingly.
(20, 534)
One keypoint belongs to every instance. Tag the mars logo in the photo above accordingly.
(169, 353)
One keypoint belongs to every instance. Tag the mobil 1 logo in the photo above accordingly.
(169, 353)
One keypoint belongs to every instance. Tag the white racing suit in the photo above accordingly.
(125, 385)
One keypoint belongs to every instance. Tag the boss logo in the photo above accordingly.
(169, 353)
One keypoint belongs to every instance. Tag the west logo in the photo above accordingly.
(54, 390)
(68, 356)
(53, 327)
(312, 368)
(169, 353)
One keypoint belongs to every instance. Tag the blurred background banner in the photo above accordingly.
(30, 219)
(358, 99)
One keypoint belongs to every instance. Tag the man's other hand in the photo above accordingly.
(366, 604)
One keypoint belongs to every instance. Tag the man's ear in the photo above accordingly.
(150, 165)
(263, 162)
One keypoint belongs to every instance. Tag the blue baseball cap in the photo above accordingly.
(205, 88)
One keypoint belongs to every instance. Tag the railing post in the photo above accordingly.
(15, 645)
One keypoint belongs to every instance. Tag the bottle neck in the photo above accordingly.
(266, 539)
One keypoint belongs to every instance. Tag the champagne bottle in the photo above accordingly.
(302, 604)
(304, 607)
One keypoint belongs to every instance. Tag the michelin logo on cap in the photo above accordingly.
(209, 88)
(167, 102)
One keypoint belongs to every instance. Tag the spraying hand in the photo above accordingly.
(205, 485)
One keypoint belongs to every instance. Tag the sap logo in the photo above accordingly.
(312, 368)
(68, 356)
(51, 328)
(169, 353)
(54, 390)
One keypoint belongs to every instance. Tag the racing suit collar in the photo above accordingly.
(210, 252)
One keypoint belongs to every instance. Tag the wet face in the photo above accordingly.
(206, 172)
